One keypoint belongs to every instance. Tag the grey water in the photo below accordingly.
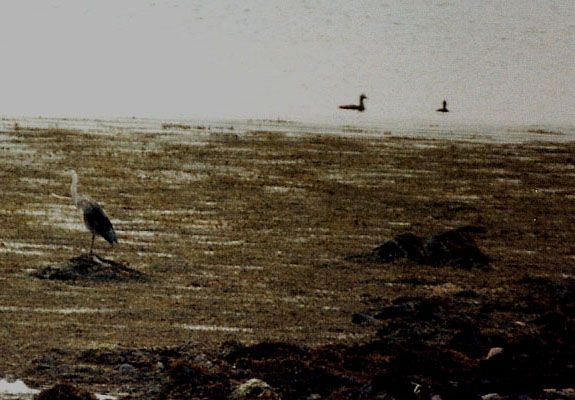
(496, 63)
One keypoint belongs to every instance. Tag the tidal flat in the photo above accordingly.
(244, 239)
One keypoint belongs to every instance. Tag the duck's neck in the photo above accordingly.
(361, 101)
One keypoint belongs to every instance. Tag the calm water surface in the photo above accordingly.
(495, 62)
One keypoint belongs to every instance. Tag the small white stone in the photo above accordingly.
(493, 352)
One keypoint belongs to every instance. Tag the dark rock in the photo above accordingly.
(363, 319)
(419, 309)
(406, 245)
(455, 248)
(388, 252)
(89, 268)
(64, 392)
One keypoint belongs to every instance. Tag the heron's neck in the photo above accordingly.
(74, 188)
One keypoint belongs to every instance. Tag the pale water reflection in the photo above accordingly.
(416, 128)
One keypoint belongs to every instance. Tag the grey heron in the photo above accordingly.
(95, 218)
(358, 107)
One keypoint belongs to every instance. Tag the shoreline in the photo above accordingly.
(442, 129)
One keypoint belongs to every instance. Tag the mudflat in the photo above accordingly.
(244, 240)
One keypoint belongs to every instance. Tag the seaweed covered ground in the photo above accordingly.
(251, 260)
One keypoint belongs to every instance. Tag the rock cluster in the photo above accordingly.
(455, 248)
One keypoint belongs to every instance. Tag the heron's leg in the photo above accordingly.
(92, 245)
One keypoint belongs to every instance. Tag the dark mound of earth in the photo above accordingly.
(455, 248)
(406, 245)
(89, 268)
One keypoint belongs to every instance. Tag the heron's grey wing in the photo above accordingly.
(98, 222)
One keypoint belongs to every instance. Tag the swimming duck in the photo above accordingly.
(444, 108)
(358, 107)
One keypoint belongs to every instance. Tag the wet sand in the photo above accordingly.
(244, 238)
